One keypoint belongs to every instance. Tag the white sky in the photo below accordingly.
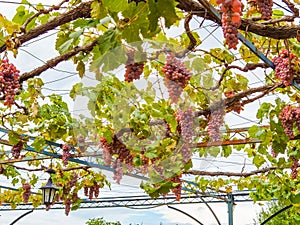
(30, 57)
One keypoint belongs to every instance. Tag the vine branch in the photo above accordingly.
(232, 174)
(44, 168)
(81, 11)
(276, 32)
(228, 102)
(246, 68)
(84, 9)
(193, 41)
(40, 12)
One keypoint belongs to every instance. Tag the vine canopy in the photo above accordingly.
(156, 96)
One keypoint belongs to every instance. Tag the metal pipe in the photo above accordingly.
(20, 217)
(275, 214)
(230, 208)
(185, 214)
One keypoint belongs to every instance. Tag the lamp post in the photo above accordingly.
(49, 190)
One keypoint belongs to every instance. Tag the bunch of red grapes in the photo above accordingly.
(123, 156)
(116, 147)
(67, 189)
(107, 150)
(118, 172)
(290, 116)
(68, 204)
(134, 69)
(185, 120)
(265, 8)
(26, 192)
(66, 154)
(294, 167)
(92, 191)
(176, 77)
(214, 124)
(69, 201)
(16, 149)
(273, 153)
(178, 188)
(9, 82)
(231, 20)
(285, 66)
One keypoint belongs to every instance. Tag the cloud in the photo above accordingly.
(243, 214)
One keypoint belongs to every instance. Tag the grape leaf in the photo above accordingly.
(115, 6)
(162, 8)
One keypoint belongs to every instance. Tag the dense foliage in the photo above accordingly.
(156, 100)
(101, 221)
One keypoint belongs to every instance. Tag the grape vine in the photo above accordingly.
(285, 66)
(290, 116)
(9, 82)
(231, 20)
(176, 77)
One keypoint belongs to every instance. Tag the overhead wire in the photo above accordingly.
(21, 3)
(39, 39)
(39, 59)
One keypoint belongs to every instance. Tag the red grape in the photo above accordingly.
(214, 124)
(294, 167)
(288, 116)
(66, 153)
(16, 149)
(231, 20)
(134, 69)
(176, 77)
(9, 82)
(284, 67)
(265, 8)
(27, 191)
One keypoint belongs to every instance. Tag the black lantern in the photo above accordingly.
(49, 190)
